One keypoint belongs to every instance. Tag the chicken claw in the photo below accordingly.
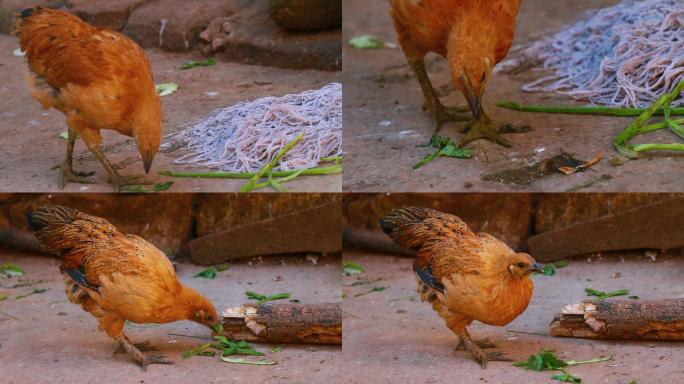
(142, 359)
(484, 128)
(476, 348)
(69, 175)
(145, 346)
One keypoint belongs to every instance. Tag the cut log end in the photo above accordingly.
(284, 323)
(621, 319)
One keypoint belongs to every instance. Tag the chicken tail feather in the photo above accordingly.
(426, 276)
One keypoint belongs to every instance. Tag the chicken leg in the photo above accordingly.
(476, 348)
(68, 173)
(440, 113)
(142, 359)
(114, 177)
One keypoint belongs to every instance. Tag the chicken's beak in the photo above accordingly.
(474, 101)
(147, 162)
(536, 267)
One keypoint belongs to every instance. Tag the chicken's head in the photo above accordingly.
(147, 130)
(471, 73)
(521, 265)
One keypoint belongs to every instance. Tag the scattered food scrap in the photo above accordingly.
(603, 295)
(445, 147)
(546, 360)
(211, 272)
(351, 268)
(368, 42)
(166, 89)
(525, 175)
(201, 63)
(11, 270)
(34, 292)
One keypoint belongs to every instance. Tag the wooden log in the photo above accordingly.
(646, 227)
(370, 240)
(621, 319)
(284, 323)
(315, 229)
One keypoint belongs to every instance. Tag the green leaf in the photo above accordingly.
(166, 89)
(544, 360)
(351, 268)
(160, 187)
(263, 298)
(445, 147)
(209, 273)
(218, 328)
(367, 42)
(11, 270)
(195, 63)
(231, 347)
(549, 270)
(34, 292)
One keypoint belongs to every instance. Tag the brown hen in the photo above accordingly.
(117, 277)
(473, 36)
(466, 276)
(99, 79)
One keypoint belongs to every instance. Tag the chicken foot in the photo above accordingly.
(142, 359)
(476, 349)
(68, 173)
(483, 128)
(113, 176)
(440, 113)
(145, 346)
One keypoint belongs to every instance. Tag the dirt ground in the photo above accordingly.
(56, 338)
(29, 135)
(392, 333)
(384, 123)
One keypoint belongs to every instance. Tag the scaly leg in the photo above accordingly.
(68, 173)
(142, 359)
(439, 112)
(480, 355)
(114, 177)
(481, 127)
(145, 346)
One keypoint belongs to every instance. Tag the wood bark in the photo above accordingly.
(285, 323)
(646, 227)
(622, 319)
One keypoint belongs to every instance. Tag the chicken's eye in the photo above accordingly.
(521, 265)
(209, 317)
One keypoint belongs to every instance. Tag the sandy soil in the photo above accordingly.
(392, 333)
(384, 123)
(30, 145)
(57, 338)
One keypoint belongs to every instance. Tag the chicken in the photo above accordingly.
(99, 79)
(117, 277)
(466, 276)
(473, 36)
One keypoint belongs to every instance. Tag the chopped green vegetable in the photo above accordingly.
(243, 361)
(64, 135)
(34, 292)
(263, 298)
(230, 347)
(544, 360)
(166, 89)
(195, 63)
(208, 273)
(218, 328)
(351, 268)
(252, 184)
(445, 147)
(550, 269)
(11, 270)
(367, 42)
(602, 295)
(566, 377)
(199, 351)
(159, 187)
(374, 289)
(276, 349)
